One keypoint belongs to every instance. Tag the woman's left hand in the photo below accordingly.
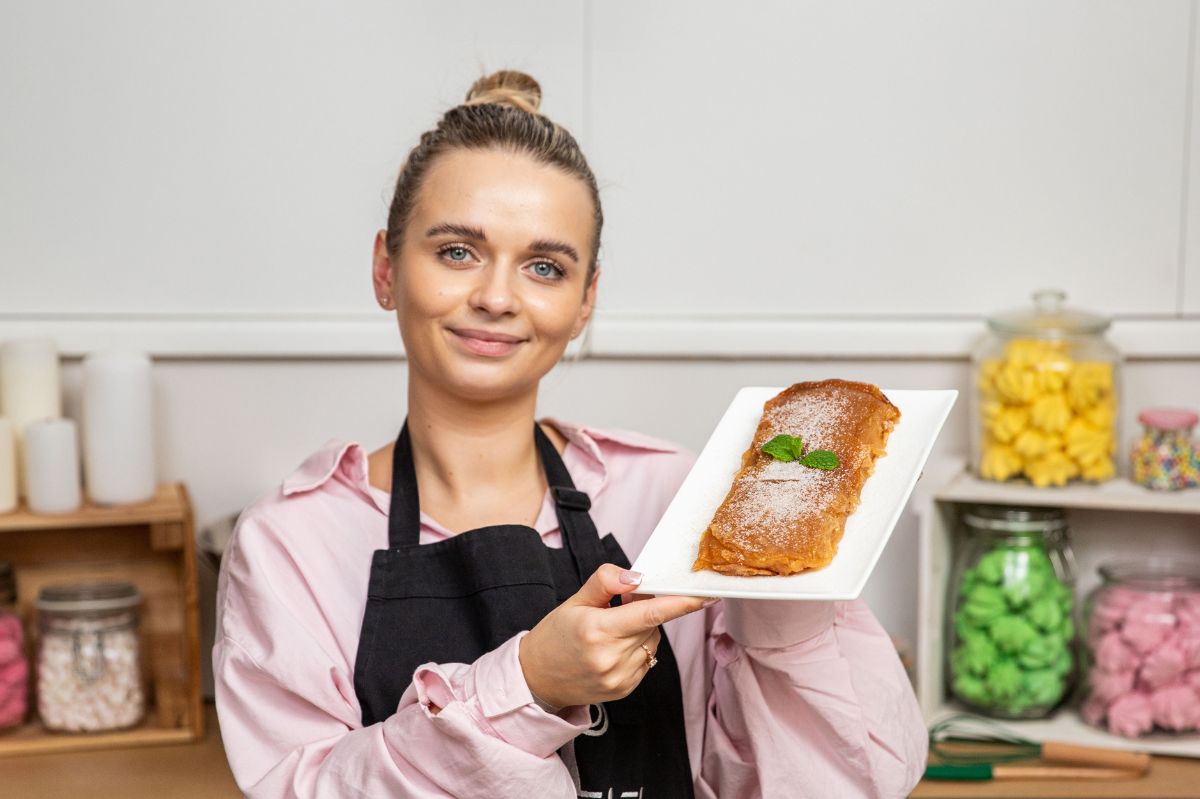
(585, 651)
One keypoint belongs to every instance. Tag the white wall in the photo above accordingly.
(205, 181)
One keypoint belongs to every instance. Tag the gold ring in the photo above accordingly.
(651, 660)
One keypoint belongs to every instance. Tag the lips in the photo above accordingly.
(489, 343)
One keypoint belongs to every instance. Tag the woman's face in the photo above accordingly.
(489, 284)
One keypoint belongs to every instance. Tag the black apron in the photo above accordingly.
(454, 600)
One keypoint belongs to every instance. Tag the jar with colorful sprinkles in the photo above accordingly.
(1166, 458)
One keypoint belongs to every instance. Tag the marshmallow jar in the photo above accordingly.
(1046, 396)
(88, 668)
(1143, 653)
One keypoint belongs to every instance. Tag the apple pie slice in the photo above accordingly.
(782, 517)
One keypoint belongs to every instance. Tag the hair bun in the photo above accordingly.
(507, 87)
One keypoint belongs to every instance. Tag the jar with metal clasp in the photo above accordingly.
(89, 674)
(1011, 642)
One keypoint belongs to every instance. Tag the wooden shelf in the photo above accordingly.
(149, 544)
(170, 504)
(31, 739)
(1116, 494)
(938, 507)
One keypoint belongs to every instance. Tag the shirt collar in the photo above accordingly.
(318, 467)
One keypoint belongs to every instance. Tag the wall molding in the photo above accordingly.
(613, 335)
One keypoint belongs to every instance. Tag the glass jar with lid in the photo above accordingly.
(1165, 458)
(88, 667)
(1143, 648)
(1011, 642)
(1046, 398)
(14, 667)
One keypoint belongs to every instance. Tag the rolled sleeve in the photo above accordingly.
(811, 694)
(776, 624)
(494, 693)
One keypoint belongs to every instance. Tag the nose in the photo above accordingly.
(495, 294)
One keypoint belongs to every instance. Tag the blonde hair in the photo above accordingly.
(500, 112)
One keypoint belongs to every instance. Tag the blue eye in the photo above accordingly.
(457, 253)
(547, 270)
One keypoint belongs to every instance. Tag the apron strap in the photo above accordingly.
(571, 505)
(404, 516)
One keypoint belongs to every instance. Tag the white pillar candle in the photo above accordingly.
(118, 428)
(51, 452)
(30, 386)
(8, 466)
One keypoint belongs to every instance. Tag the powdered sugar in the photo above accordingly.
(815, 419)
(774, 494)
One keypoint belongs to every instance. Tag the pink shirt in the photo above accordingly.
(797, 699)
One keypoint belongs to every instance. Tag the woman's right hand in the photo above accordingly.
(585, 651)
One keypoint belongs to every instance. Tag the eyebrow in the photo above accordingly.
(476, 234)
(550, 245)
(452, 229)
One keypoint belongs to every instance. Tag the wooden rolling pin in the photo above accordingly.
(1000, 771)
(1060, 752)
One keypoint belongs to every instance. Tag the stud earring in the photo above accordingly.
(385, 301)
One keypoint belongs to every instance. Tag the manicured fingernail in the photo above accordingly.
(629, 577)
(708, 603)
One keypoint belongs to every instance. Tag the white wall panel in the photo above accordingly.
(232, 157)
(1189, 296)
(809, 158)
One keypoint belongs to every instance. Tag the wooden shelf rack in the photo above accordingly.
(149, 544)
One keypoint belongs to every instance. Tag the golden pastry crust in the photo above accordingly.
(782, 518)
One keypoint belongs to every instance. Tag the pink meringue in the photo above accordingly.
(1175, 707)
(1188, 603)
(1105, 617)
(1114, 655)
(1131, 715)
(1188, 619)
(1190, 646)
(14, 673)
(1108, 685)
(1147, 623)
(1163, 666)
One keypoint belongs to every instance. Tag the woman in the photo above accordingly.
(368, 646)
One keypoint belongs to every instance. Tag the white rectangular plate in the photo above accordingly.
(666, 561)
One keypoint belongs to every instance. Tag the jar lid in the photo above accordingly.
(1013, 519)
(84, 597)
(1049, 318)
(1168, 418)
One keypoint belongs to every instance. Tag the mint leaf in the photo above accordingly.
(784, 448)
(820, 459)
